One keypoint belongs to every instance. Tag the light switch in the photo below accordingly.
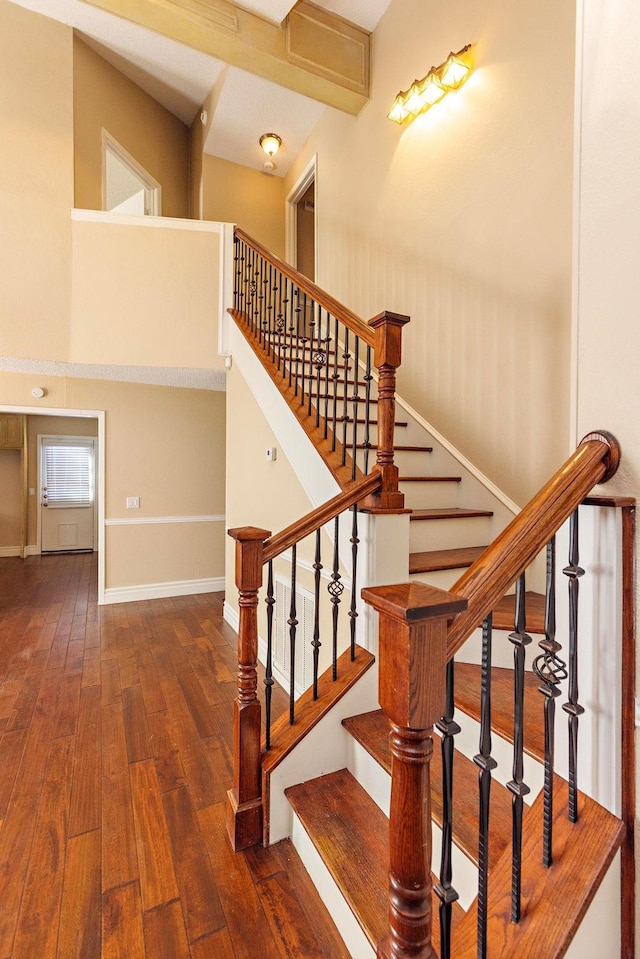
(133, 502)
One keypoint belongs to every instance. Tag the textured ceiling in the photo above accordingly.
(195, 379)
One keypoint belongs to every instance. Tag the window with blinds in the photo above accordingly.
(68, 472)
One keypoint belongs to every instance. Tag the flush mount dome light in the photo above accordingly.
(270, 143)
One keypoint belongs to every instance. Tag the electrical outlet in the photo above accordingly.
(133, 502)
(271, 454)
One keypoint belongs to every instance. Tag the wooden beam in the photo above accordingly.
(313, 52)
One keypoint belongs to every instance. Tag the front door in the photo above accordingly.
(67, 492)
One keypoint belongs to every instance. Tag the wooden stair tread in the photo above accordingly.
(436, 559)
(398, 449)
(504, 612)
(554, 900)
(467, 686)
(351, 834)
(453, 513)
(429, 479)
(371, 730)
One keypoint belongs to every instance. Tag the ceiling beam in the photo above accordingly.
(313, 52)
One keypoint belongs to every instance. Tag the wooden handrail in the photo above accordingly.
(485, 582)
(324, 299)
(308, 524)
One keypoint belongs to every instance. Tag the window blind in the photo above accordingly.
(68, 474)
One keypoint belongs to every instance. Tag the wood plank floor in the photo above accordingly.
(115, 759)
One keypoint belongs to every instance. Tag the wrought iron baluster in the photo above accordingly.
(356, 398)
(516, 785)
(353, 612)
(336, 588)
(550, 670)
(485, 763)
(268, 670)
(293, 623)
(295, 334)
(253, 294)
(312, 330)
(444, 889)
(327, 347)
(320, 363)
(335, 376)
(572, 707)
(269, 311)
(367, 411)
(236, 273)
(317, 569)
(244, 279)
(260, 292)
(345, 399)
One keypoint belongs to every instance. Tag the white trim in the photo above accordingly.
(226, 268)
(185, 587)
(231, 616)
(10, 551)
(309, 175)
(574, 384)
(152, 188)
(144, 520)
(155, 222)
(468, 465)
(31, 551)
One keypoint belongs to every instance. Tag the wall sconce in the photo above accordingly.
(422, 94)
(270, 143)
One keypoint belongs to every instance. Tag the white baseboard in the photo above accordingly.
(186, 587)
(31, 551)
(10, 551)
(231, 616)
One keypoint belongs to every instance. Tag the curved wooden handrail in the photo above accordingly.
(325, 300)
(308, 524)
(485, 582)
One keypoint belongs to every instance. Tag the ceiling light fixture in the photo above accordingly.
(270, 143)
(423, 94)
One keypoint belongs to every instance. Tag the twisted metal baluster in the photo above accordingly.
(317, 569)
(293, 623)
(550, 670)
(367, 411)
(356, 397)
(268, 670)
(444, 889)
(335, 376)
(516, 785)
(353, 612)
(485, 763)
(573, 707)
(336, 588)
(345, 398)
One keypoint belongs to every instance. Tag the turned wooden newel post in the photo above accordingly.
(244, 801)
(412, 661)
(387, 352)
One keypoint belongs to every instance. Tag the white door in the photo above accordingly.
(67, 492)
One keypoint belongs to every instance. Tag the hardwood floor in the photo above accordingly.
(115, 759)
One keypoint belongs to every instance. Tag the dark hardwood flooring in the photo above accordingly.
(115, 759)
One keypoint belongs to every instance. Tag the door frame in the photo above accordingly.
(100, 416)
(308, 176)
(52, 436)
(152, 189)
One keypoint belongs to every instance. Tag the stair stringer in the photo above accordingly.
(323, 750)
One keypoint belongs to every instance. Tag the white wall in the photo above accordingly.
(463, 221)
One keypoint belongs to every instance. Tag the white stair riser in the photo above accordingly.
(430, 495)
(442, 578)
(449, 533)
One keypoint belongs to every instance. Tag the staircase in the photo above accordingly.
(339, 820)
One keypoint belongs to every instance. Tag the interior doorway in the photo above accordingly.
(127, 188)
(302, 227)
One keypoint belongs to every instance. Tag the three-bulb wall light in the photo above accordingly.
(422, 94)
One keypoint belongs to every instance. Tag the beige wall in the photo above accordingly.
(10, 500)
(36, 183)
(144, 295)
(463, 221)
(251, 199)
(165, 445)
(103, 97)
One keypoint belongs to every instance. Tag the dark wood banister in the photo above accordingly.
(485, 582)
(317, 518)
(415, 644)
(325, 300)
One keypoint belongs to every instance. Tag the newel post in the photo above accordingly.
(387, 358)
(244, 800)
(412, 661)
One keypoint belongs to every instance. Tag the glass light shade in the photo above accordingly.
(431, 90)
(455, 72)
(270, 143)
(398, 112)
(414, 101)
